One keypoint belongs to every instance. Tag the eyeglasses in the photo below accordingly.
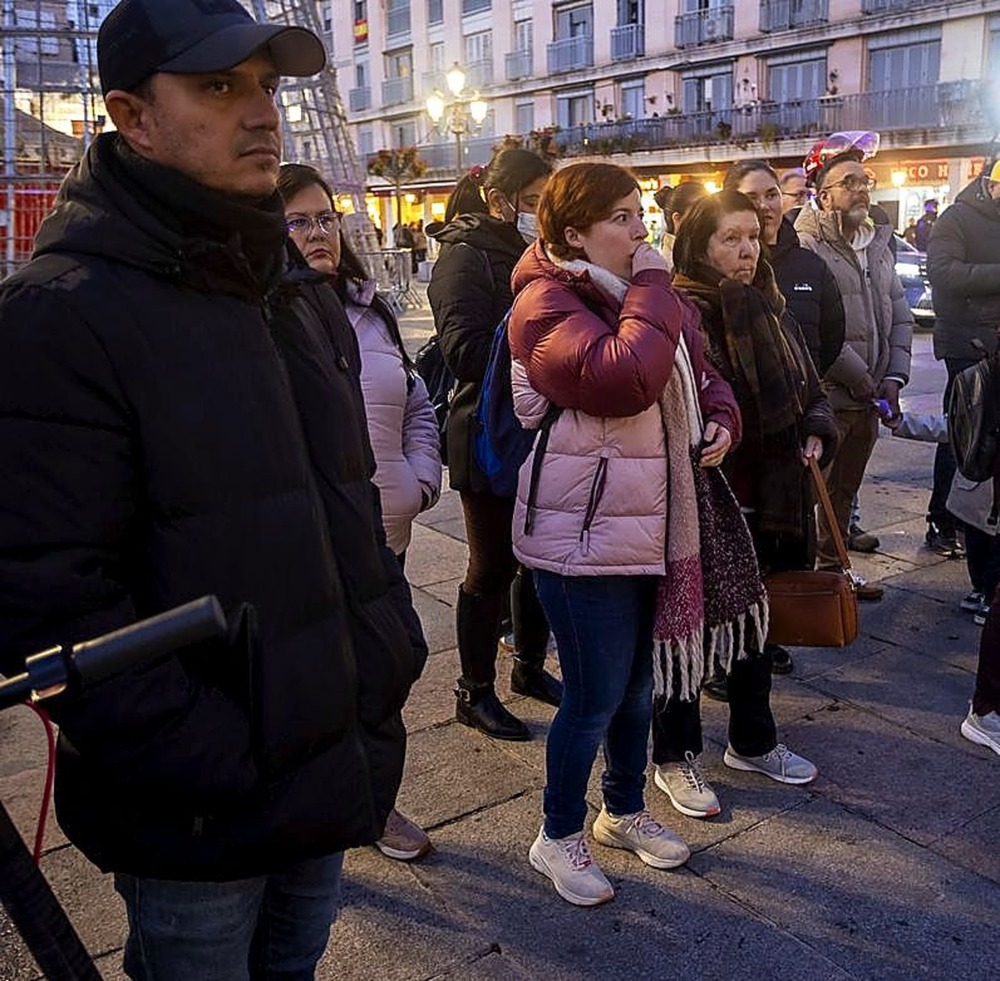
(328, 223)
(854, 184)
(798, 196)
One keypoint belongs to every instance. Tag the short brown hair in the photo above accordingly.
(577, 196)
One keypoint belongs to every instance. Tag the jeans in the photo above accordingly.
(269, 928)
(604, 628)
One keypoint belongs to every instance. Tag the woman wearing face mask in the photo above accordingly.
(804, 279)
(401, 422)
(757, 346)
(489, 220)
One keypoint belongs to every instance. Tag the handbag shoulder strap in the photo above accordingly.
(831, 518)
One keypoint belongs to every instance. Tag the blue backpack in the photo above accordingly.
(501, 444)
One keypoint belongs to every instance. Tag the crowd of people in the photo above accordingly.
(201, 392)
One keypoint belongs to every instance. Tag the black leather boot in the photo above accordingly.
(479, 708)
(528, 677)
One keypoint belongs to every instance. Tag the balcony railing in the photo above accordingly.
(628, 42)
(942, 106)
(397, 21)
(435, 11)
(703, 27)
(570, 53)
(436, 81)
(360, 99)
(479, 74)
(885, 6)
(397, 90)
(783, 15)
(474, 6)
(518, 65)
(444, 156)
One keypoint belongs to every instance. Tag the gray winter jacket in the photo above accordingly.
(877, 334)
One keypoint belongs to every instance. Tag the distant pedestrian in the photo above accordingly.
(401, 421)
(608, 509)
(925, 226)
(794, 190)
(910, 232)
(682, 199)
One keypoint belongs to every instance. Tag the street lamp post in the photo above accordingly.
(461, 115)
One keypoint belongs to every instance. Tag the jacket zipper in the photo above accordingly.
(596, 493)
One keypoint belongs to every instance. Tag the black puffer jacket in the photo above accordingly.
(469, 294)
(963, 264)
(812, 295)
(168, 430)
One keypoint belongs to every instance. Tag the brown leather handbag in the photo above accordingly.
(810, 608)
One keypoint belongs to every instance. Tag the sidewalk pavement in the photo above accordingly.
(886, 867)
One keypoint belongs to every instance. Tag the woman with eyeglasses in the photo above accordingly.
(758, 348)
(808, 286)
(401, 422)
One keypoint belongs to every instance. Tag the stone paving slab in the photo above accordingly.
(974, 845)
(872, 902)
(868, 764)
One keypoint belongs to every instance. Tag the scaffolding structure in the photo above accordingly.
(52, 108)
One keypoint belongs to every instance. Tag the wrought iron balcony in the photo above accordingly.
(435, 11)
(474, 6)
(929, 107)
(360, 99)
(441, 156)
(570, 53)
(703, 27)
(628, 42)
(783, 15)
(479, 74)
(397, 22)
(885, 6)
(519, 64)
(396, 91)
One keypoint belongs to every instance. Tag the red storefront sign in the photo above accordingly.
(926, 171)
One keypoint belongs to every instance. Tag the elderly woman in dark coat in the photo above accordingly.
(758, 347)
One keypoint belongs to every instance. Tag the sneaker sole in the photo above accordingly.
(403, 856)
(653, 861)
(678, 806)
(979, 738)
(735, 763)
(538, 864)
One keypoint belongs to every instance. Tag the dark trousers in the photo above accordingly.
(982, 559)
(752, 732)
(986, 697)
(491, 571)
(944, 458)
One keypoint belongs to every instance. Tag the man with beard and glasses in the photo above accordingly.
(181, 414)
(874, 363)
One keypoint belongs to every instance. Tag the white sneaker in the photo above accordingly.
(982, 729)
(639, 833)
(572, 869)
(780, 764)
(687, 789)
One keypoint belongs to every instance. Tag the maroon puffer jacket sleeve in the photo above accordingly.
(605, 367)
(716, 398)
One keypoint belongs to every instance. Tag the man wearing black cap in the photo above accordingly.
(874, 362)
(180, 414)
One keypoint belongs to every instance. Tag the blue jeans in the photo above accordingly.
(604, 628)
(269, 928)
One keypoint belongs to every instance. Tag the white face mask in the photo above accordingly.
(527, 225)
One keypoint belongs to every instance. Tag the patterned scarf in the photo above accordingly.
(710, 603)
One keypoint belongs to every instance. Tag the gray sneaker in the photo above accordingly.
(639, 833)
(983, 729)
(572, 869)
(780, 764)
(687, 789)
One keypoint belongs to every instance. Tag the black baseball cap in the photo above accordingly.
(183, 37)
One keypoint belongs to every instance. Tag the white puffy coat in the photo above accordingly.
(401, 425)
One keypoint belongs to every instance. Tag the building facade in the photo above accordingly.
(680, 87)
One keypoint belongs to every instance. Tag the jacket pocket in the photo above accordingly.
(593, 501)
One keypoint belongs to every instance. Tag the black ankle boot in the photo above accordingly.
(781, 660)
(477, 706)
(528, 677)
